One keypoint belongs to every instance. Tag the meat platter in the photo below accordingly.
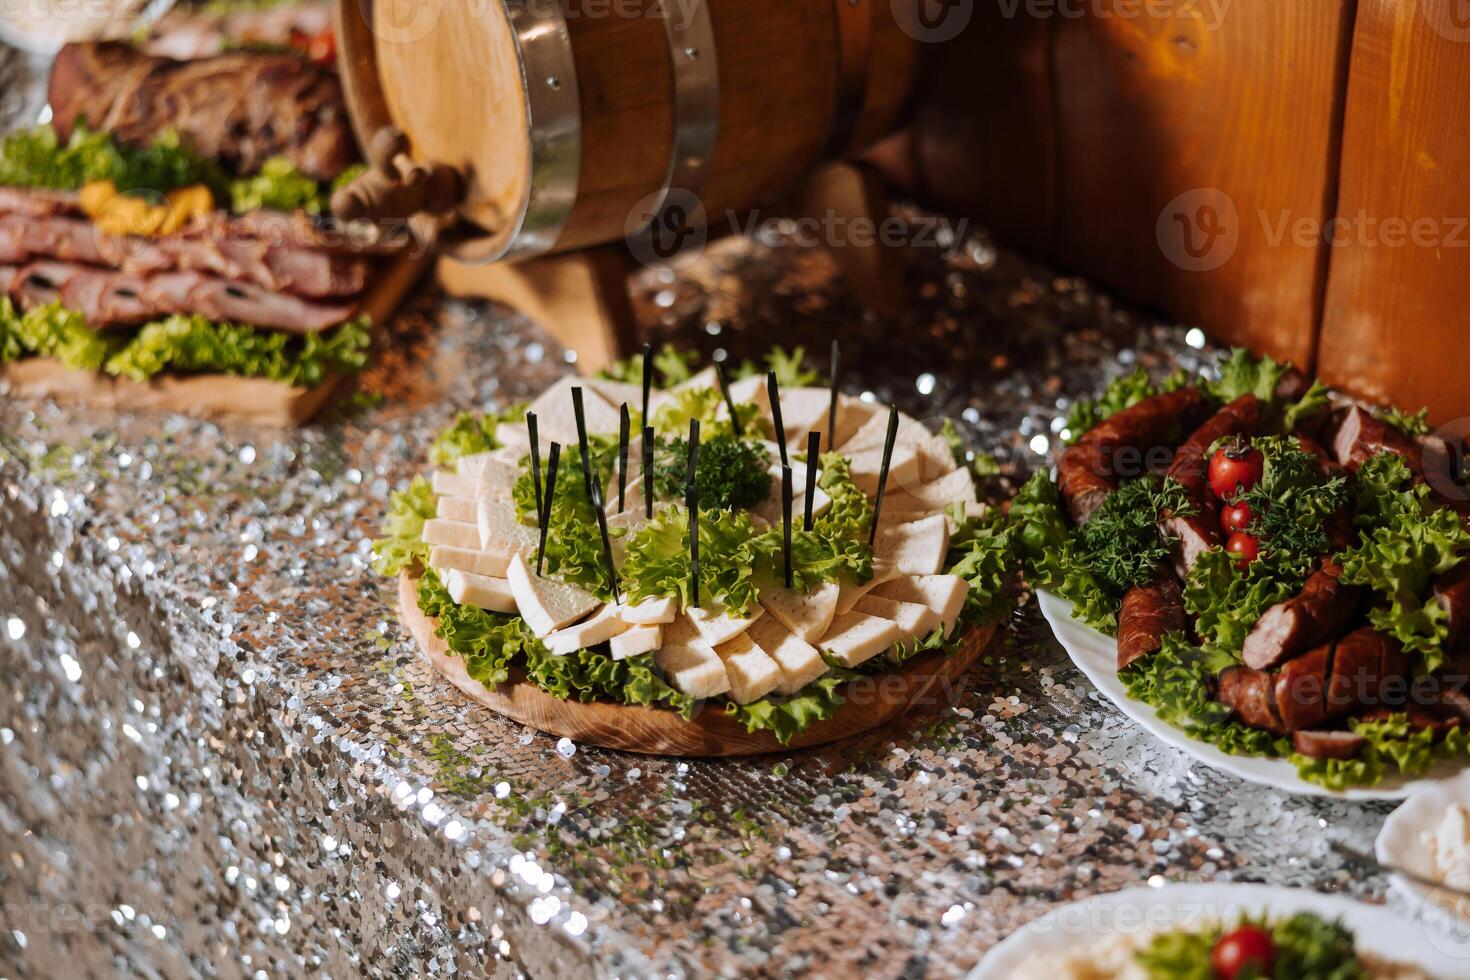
(1266, 573)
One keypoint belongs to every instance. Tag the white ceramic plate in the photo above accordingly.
(1399, 844)
(1378, 930)
(1097, 655)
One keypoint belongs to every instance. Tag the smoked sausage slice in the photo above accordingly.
(1320, 611)
(1149, 611)
(1249, 695)
(1196, 534)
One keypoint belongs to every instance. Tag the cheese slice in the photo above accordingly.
(600, 627)
(689, 663)
(556, 419)
(917, 548)
(496, 479)
(635, 640)
(874, 431)
(659, 609)
(799, 661)
(455, 534)
(702, 379)
(500, 531)
(494, 594)
(621, 527)
(620, 392)
(545, 604)
(460, 509)
(752, 673)
(443, 558)
(515, 435)
(944, 594)
(867, 466)
(937, 494)
(914, 619)
(716, 624)
(935, 458)
(805, 614)
(448, 484)
(477, 463)
(850, 592)
(857, 637)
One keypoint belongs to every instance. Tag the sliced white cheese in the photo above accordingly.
(621, 527)
(635, 640)
(917, 547)
(689, 663)
(935, 458)
(497, 481)
(556, 419)
(912, 617)
(448, 484)
(944, 594)
(616, 393)
(545, 604)
(494, 594)
(600, 627)
(659, 609)
(850, 592)
(716, 624)
(499, 529)
(455, 534)
(443, 558)
(752, 673)
(477, 463)
(799, 661)
(702, 379)
(936, 494)
(515, 436)
(867, 466)
(460, 509)
(856, 637)
(874, 431)
(806, 614)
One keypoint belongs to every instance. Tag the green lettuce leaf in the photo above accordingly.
(52, 331)
(471, 433)
(1244, 374)
(1409, 423)
(1393, 744)
(1122, 392)
(1226, 601)
(278, 185)
(657, 559)
(790, 367)
(851, 514)
(194, 344)
(982, 553)
(401, 544)
(1051, 559)
(574, 551)
(789, 715)
(671, 366)
(672, 418)
(37, 158)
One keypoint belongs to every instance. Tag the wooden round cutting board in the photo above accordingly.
(871, 701)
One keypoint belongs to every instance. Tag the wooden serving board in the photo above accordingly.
(211, 396)
(927, 679)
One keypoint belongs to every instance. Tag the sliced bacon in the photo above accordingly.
(1148, 612)
(1321, 611)
(1118, 447)
(108, 298)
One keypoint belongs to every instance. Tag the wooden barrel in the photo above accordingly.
(577, 121)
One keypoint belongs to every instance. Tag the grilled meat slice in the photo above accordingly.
(1149, 611)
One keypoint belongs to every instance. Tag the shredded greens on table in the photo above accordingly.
(183, 344)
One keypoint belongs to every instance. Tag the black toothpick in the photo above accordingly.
(648, 471)
(888, 442)
(693, 463)
(607, 555)
(647, 378)
(535, 460)
(691, 501)
(545, 516)
(623, 423)
(774, 391)
(786, 521)
(813, 453)
(729, 402)
(835, 369)
(581, 414)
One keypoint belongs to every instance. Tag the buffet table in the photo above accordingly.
(221, 755)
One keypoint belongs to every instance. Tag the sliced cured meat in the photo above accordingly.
(1452, 592)
(1360, 437)
(8, 275)
(1328, 745)
(1196, 534)
(1250, 696)
(1322, 610)
(1149, 612)
(1439, 721)
(1301, 689)
(240, 108)
(13, 249)
(39, 202)
(40, 283)
(1369, 669)
(220, 299)
(1121, 446)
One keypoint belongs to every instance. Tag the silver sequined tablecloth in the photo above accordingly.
(219, 754)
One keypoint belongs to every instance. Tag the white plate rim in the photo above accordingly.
(1095, 654)
(1377, 929)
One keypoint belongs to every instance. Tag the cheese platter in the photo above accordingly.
(701, 587)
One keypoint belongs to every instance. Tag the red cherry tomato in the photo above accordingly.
(323, 47)
(1234, 469)
(1247, 946)
(1244, 547)
(1236, 517)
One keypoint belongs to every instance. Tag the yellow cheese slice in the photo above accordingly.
(752, 673)
(546, 604)
(799, 661)
(467, 588)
